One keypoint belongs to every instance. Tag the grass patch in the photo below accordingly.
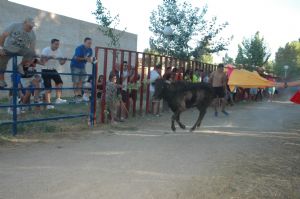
(47, 126)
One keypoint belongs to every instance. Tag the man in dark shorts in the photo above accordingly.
(218, 80)
(52, 58)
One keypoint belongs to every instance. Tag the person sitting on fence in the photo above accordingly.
(83, 54)
(100, 86)
(20, 39)
(112, 98)
(50, 61)
(30, 84)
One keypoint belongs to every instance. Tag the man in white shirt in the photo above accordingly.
(52, 57)
(154, 75)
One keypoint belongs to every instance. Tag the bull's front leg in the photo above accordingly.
(199, 120)
(173, 122)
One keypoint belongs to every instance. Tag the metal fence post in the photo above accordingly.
(15, 94)
(93, 96)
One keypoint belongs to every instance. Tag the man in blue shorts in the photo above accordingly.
(83, 54)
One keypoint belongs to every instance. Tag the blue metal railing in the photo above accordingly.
(15, 104)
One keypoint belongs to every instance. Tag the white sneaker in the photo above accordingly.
(85, 98)
(10, 111)
(60, 101)
(50, 107)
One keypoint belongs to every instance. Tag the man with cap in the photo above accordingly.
(17, 39)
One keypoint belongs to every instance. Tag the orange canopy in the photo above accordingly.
(246, 79)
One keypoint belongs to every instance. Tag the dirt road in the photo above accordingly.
(253, 153)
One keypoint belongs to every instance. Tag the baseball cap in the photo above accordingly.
(30, 21)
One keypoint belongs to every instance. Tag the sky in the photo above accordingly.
(278, 21)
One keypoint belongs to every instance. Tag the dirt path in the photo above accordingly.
(253, 153)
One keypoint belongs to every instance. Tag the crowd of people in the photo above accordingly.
(20, 39)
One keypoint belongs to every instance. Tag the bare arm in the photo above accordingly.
(2, 39)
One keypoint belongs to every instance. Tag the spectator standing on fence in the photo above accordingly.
(52, 58)
(18, 38)
(83, 54)
(218, 80)
(154, 75)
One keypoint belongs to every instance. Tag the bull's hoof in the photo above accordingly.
(192, 129)
(173, 128)
(182, 126)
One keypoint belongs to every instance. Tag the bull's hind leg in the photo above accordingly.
(199, 120)
(178, 121)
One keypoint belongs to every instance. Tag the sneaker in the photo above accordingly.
(60, 101)
(23, 109)
(3, 84)
(85, 98)
(50, 107)
(225, 113)
(78, 99)
(10, 111)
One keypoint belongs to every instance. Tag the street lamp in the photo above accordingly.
(286, 67)
(168, 32)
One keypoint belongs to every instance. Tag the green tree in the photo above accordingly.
(107, 25)
(227, 59)
(269, 66)
(289, 55)
(206, 58)
(253, 52)
(192, 34)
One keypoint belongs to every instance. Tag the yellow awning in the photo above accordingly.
(246, 79)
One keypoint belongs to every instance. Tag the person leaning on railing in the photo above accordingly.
(82, 55)
(17, 39)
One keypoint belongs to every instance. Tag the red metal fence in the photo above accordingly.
(141, 64)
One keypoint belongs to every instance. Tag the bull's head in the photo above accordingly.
(161, 86)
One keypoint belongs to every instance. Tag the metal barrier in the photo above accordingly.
(142, 63)
(15, 105)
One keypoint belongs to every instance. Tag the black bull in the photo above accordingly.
(182, 95)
